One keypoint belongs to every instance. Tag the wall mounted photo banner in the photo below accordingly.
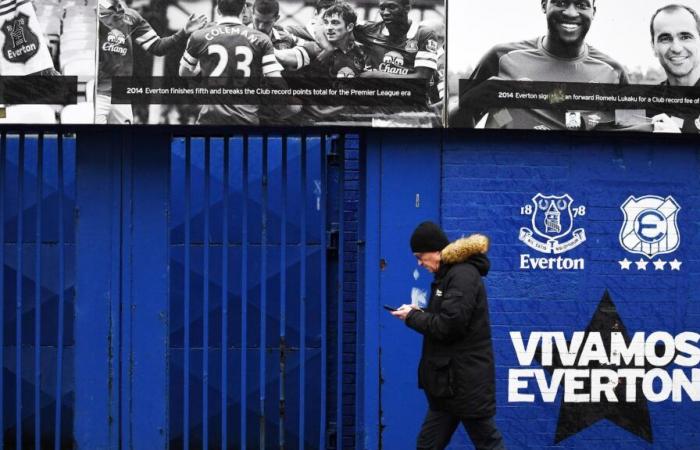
(272, 62)
(575, 65)
(47, 61)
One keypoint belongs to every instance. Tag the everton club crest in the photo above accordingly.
(20, 41)
(650, 229)
(552, 219)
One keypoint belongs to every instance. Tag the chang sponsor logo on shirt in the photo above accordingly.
(116, 43)
(650, 229)
(393, 63)
(552, 218)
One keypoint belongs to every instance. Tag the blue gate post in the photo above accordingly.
(121, 312)
(98, 290)
(368, 314)
(145, 314)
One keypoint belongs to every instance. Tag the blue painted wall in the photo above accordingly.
(122, 257)
(486, 183)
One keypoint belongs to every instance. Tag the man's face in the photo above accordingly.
(429, 260)
(569, 20)
(264, 22)
(393, 11)
(247, 13)
(335, 29)
(677, 42)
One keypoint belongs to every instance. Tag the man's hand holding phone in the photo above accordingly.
(402, 311)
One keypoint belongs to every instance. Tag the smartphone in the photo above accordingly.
(390, 308)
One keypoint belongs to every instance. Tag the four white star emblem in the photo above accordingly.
(660, 264)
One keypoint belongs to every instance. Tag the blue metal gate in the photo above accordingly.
(37, 256)
(185, 293)
(255, 247)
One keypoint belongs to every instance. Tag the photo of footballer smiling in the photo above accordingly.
(577, 65)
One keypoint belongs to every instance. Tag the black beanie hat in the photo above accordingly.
(428, 237)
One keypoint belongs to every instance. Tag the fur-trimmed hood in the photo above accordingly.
(471, 248)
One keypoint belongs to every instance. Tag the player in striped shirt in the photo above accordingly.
(24, 49)
(120, 28)
(560, 56)
(228, 49)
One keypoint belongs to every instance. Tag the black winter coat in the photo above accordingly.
(456, 369)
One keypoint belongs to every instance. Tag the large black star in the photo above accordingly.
(631, 416)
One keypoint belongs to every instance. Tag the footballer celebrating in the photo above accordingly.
(230, 50)
(396, 46)
(345, 57)
(562, 55)
(313, 31)
(266, 13)
(120, 27)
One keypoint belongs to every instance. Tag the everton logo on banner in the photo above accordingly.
(20, 41)
(650, 226)
(552, 219)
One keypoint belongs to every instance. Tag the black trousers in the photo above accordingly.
(438, 427)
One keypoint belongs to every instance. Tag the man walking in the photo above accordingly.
(456, 369)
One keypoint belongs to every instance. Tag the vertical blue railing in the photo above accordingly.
(283, 298)
(263, 289)
(302, 299)
(3, 154)
(187, 279)
(205, 294)
(224, 298)
(341, 309)
(18, 294)
(37, 292)
(61, 292)
(244, 296)
(324, 293)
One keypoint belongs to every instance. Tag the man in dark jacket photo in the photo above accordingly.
(456, 369)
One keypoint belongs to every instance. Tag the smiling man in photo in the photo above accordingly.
(675, 39)
(675, 35)
(562, 55)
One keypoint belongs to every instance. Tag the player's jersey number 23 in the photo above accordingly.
(242, 58)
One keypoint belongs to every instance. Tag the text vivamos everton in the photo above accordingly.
(593, 367)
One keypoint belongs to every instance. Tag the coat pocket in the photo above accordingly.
(436, 376)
